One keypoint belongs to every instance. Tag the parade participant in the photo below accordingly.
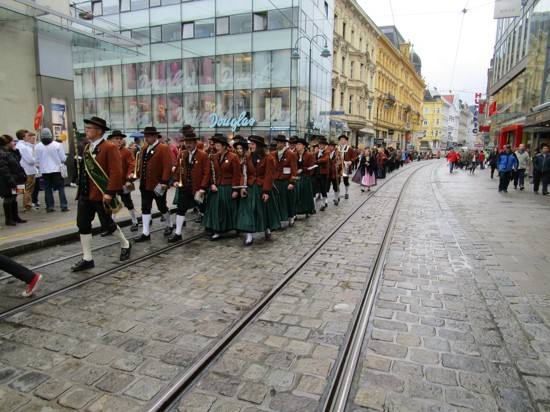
(154, 172)
(221, 207)
(381, 159)
(292, 143)
(128, 168)
(99, 181)
(272, 147)
(22, 273)
(191, 178)
(11, 176)
(350, 157)
(258, 209)
(367, 169)
(25, 145)
(305, 204)
(321, 172)
(285, 177)
(334, 171)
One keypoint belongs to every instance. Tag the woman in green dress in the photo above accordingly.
(258, 209)
(305, 203)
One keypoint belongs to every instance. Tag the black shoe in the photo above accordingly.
(19, 220)
(174, 238)
(49, 210)
(105, 233)
(162, 219)
(544, 193)
(322, 208)
(247, 243)
(134, 227)
(215, 237)
(168, 231)
(536, 192)
(346, 196)
(505, 191)
(142, 238)
(521, 188)
(83, 265)
(125, 253)
(198, 219)
(515, 188)
(267, 234)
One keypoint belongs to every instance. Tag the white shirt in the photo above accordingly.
(93, 145)
(28, 161)
(49, 157)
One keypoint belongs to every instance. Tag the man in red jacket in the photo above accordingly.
(452, 157)
(100, 180)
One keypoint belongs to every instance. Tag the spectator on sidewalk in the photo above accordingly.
(523, 162)
(49, 156)
(11, 175)
(492, 161)
(541, 170)
(25, 145)
(507, 163)
(22, 273)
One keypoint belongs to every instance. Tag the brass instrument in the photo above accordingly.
(340, 165)
(137, 166)
(181, 170)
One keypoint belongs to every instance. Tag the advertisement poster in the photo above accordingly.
(59, 122)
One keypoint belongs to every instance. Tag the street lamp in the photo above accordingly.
(296, 56)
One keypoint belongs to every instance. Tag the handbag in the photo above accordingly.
(63, 170)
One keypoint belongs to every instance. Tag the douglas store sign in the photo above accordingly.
(234, 123)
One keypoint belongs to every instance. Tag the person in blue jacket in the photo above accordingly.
(507, 163)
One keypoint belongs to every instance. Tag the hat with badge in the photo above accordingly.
(257, 139)
(116, 133)
(99, 122)
(220, 138)
(281, 138)
(190, 136)
(150, 130)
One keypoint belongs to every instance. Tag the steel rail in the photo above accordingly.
(344, 372)
(166, 399)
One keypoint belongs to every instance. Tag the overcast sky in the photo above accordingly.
(434, 29)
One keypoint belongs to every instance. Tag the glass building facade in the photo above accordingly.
(208, 62)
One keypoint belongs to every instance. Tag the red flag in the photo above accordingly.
(482, 108)
(492, 109)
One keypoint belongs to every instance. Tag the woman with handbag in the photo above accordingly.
(12, 175)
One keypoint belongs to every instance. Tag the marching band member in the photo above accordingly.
(305, 204)
(321, 171)
(192, 177)
(334, 171)
(350, 157)
(99, 181)
(128, 167)
(292, 143)
(221, 207)
(154, 172)
(285, 177)
(257, 208)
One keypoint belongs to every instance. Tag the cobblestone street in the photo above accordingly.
(461, 317)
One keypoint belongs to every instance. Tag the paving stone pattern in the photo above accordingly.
(455, 326)
(115, 343)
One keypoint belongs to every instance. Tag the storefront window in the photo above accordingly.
(116, 113)
(207, 73)
(175, 110)
(171, 32)
(158, 79)
(88, 82)
(103, 109)
(280, 74)
(190, 73)
(78, 92)
(207, 106)
(278, 107)
(101, 82)
(89, 108)
(160, 111)
(145, 117)
(259, 99)
(174, 75)
(191, 108)
(129, 78)
(224, 106)
(243, 70)
(261, 63)
(225, 71)
(130, 113)
(241, 102)
(144, 81)
(115, 80)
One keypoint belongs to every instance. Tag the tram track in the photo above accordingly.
(168, 400)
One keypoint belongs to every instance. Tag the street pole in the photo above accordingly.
(309, 97)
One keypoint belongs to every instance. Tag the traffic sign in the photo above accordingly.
(38, 117)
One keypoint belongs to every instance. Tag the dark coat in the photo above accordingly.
(262, 173)
(11, 172)
(227, 169)
(108, 157)
(158, 168)
(128, 164)
(200, 170)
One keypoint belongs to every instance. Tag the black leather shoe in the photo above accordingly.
(346, 196)
(322, 208)
(247, 243)
(125, 253)
(268, 234)
(198, 219)
(83, 265)
(134, 227)
(215, 237)
(174, 238)
(105, 233)
(168, 231)
(142, 238)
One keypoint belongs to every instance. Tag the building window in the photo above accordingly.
(188, 30)
(205, 28)
(282, 19)
(437, 122)
(425, 123)
(360, 44)
(156, 34)
(351, 67)
(154, 3)
(171, 32)
(426, 110)
(260, 21)
(97, 8)
(343, 65)
(342, 101)
(332, 98)
(361, 70)
(326, 9)
(352, 38)
(124, 5)
(344, 30)
(222, 26)
(139, 4)
(241, 23)
(141, 35)
(350, 105)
